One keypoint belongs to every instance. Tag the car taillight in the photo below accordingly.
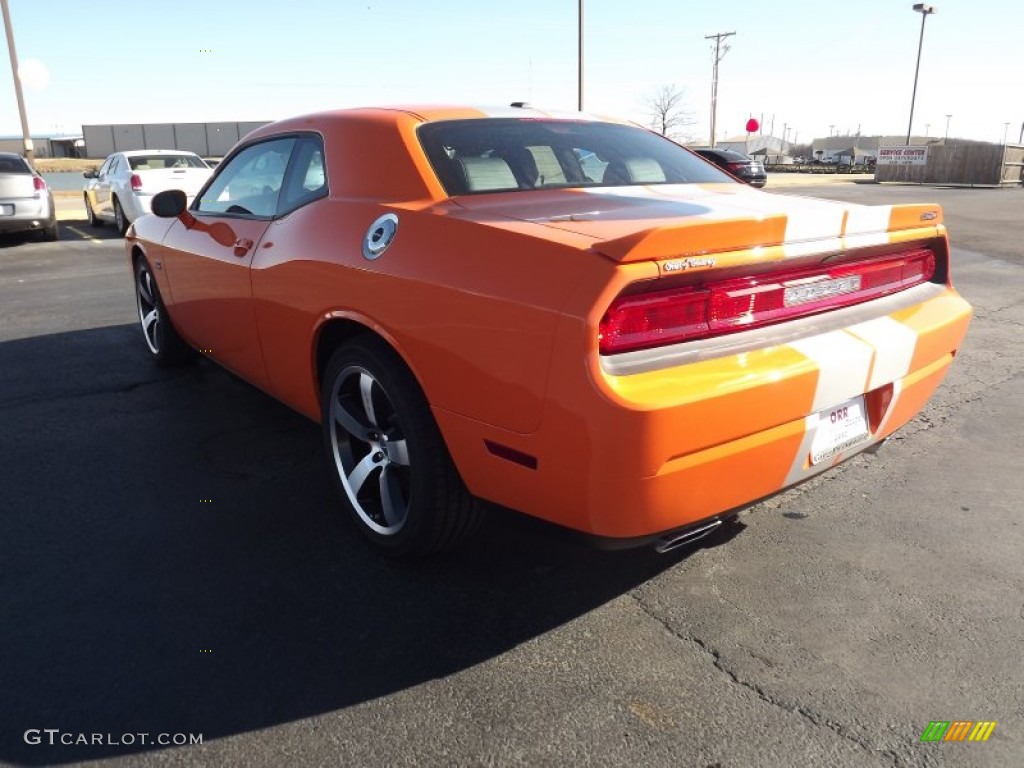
(136, 182)
(657, 318)
(39, 185)
(736, 167)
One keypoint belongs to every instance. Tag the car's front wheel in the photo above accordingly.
(165, 345)
(387, 454)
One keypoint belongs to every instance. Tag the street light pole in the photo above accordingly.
(579, 61)
(947, 125)
(29, 153)
(924, 10)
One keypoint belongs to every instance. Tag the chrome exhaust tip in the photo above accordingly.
(681, 538)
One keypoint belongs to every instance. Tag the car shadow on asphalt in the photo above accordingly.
(69, 230)
(175, 561)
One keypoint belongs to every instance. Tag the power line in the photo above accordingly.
(720, 51)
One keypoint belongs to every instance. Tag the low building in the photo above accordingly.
(44, 146)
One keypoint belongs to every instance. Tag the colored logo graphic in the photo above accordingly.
(958, 730)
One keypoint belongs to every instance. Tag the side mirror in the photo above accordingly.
(90, 174)
(169, 204)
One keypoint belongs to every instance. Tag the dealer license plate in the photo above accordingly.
(7, 210)
(840, 427)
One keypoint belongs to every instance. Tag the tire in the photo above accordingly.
(50, 233)
(93, 221)
(387, 456)
(165, 346)
(120, 220)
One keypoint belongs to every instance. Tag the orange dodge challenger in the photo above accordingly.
(569, 316)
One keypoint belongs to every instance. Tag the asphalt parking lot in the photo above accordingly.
(173, 561)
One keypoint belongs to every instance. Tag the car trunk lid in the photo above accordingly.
(16, 186)
(629, 224)
(188, 180)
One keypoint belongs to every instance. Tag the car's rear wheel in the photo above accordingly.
(50, 233)
(165, 345)
(387, 454)
(93, 220)
(120, 220)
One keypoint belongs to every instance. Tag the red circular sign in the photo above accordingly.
(752, 125)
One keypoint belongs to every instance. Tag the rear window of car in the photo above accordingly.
(13, 165)
(160, 162)
(505, 154)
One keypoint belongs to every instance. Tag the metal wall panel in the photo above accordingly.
(220, 137)
(99, 140)
(192, 136)
(159, 136)
(128, 136)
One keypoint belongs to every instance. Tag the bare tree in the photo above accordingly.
(668, 113)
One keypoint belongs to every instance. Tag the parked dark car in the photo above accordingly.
(738, 164)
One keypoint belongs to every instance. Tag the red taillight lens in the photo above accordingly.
(735, 167)
(653, 319)
(136, 182)
(639, 321)
(39, 185)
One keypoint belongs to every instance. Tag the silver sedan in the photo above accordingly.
(26, 202)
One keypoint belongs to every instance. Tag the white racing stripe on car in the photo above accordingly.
(843, 363)
(894, 345)
(870, 223)
(812, 222)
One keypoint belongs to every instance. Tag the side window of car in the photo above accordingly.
(250, 182)
(114, 164)
(307, 177)
(105, 168)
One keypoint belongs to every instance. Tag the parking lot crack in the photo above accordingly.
(814, 718)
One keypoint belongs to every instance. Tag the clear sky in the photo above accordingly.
(806, 64)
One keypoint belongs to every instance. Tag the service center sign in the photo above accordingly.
(903, 155)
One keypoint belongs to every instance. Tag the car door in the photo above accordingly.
(207, 257)
(99, 190)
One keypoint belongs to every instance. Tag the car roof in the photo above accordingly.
(139, 152)
(727, 154)
(427, 113)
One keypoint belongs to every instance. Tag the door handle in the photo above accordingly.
(242, 246)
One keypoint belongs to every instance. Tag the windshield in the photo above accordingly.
(150, 162)
(503, 154)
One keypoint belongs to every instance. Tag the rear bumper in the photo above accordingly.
(638, 450)
(29, 214)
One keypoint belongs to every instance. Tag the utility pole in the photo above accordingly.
(29, 154)
(579, 62)
(720, 51)
(833, 125)
(947, 125)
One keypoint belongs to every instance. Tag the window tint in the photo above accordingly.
(250, 182)
(148, 162)
(115, 163)
(105, 168)
(306, 180)
(13, 164)
(503, 154)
